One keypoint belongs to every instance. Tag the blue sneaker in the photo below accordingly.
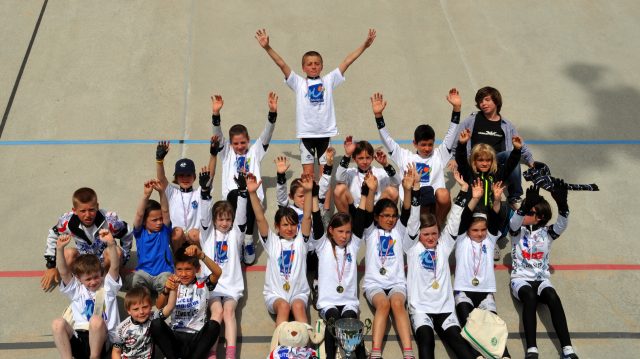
(570, 356)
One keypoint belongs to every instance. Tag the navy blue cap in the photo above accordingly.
(185, 166)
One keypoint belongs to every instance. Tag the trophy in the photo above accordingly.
(349, 332)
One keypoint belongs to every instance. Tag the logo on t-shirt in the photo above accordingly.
(221, 256)
(385, 246)
(428, 259)
(285, 262)
(316, 93)
(425, 172)
(194, 204)
(242, 164)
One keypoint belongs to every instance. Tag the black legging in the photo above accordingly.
(425, 339)
(330, 342)
(464, 309)
(251, 217)
(184, 345)
(529, 298)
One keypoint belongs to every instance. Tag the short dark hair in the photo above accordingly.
(182, 257)
(135, 295)
(543, 212)
(489, 91)
(362, 146)
(287, 213)
(295, 184)
(309, 54)
(423, 133)
(86, 264)
(383, 204)
(236, 130)
(84, 195)
(428, 220)
(152, 205)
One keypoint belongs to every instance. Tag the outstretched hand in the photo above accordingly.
(106, 236)
(517, 142)
(498, 189)
(477, 189)
(465, 135)
(161, 150)
(273, 102)
(378, 104)
(454, 99)
(282, 164)
(464, 186)
(370, 37)
(216, 104)
(214, 146)
(263, 38)
(193, 251)
(349, 146)
(381, 157)
(252, 183)
(371, 181)
(307, 182)
(204, 178)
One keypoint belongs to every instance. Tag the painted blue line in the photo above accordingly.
(284, 142)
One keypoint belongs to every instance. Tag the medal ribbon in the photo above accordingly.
(476, 267)
(339, 272)
(383, 259)
(287, 270)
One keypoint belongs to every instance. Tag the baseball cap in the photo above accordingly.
(185, 166)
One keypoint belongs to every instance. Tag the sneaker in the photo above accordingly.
(248, 250)
(570, 356)
(531, 356)
(515, 202)
(496, 253)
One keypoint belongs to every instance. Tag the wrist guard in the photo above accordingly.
(281, 178)
(205, 193)
(214, 149)
(272, 117)
(327, 170)
(455, 117)
(344, 162)
(51, 261)
(462, 199)
(380, 123)
(364, 190)
(315, 191)
(390, 170)
(242, 193)
(215, 120)
(415, 197)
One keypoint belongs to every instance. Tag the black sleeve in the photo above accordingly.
(318, 226)
(361, 220)
(404, 216)
(493, 221)
(465, 220)
(463, 162)
(509, 165)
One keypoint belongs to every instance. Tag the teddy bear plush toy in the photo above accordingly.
(291, 340)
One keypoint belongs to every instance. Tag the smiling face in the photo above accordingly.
(312, 65)
(488, 107)
(424, 147)
(287, 229)
(429, 236)
(86, 212)
(223, 222)
(341, 235)
(185, 181)
(92, 281)
(240, 144)
(186, 272)
(387, 219)
(141, 311)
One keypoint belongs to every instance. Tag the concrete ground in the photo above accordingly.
(88, 92)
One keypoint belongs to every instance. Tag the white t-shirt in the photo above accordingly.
(83, 301)
(330, 268)
(190, 312)
(475, 260)
(315, 113)
(384, 248)
(233, 163)
(425, 266)
(183, 207)
(287, 262)
(431, 169)
(353, 178)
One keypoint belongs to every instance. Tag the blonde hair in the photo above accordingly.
(482, 150)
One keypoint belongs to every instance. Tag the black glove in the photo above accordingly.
(205, 190)
(215, 148)
(364, 190)
(161, 152)
(559, 194)
(533, 198)
(241, 182)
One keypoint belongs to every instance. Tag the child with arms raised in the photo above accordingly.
(93, 301)
(315, 114)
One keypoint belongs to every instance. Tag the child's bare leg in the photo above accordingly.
(230, 324)
(193, 236)
(391, 193)
(342, 197)
(443, 205)
(282, 309)
(177, 238)
(62, 333)
(382, 306)
(299, 310)
(401, 319)
(97, 336)
(216, 314)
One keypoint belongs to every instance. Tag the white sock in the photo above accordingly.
(567, 350)
(532, 350)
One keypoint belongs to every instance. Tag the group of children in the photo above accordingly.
(190, 248)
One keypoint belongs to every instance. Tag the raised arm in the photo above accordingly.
(357, 52)
(263, 40)
(216, 105)
(382, 159)
(61, 265)
(413, 223)
(378, 104)
(461, 156)
(467, 213)
(148, 189)
(240, 219)
(206, 217)
(513, 160)
(559, 194)
(214, 148)
(531, 199)
(261, 220)
(195, 251)
(341, 172)
(161, 151)
(167, 298)
(282, 166)
(164, 203)
(265, 136)
(372, 184)
(307, 185)
(114, 268)
(408, 181)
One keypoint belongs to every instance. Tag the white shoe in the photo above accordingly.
(248, 250)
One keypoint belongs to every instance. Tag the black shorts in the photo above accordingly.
(312, 148)
(80, 348)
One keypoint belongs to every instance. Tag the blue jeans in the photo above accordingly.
(514, 179)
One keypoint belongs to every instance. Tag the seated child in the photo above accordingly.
(221, 236)
(430, 163)
(349, 180)
(191, 334)
(183, 199)
(93, 301)
(152, 230)
(315, 114)
(286, 290)
(133, 335)
(83, 224)
(238, 157)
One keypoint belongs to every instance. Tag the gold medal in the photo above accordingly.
(475, 281)
(340, 289)
(286, 286)
(383, 271)
(435, 284)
